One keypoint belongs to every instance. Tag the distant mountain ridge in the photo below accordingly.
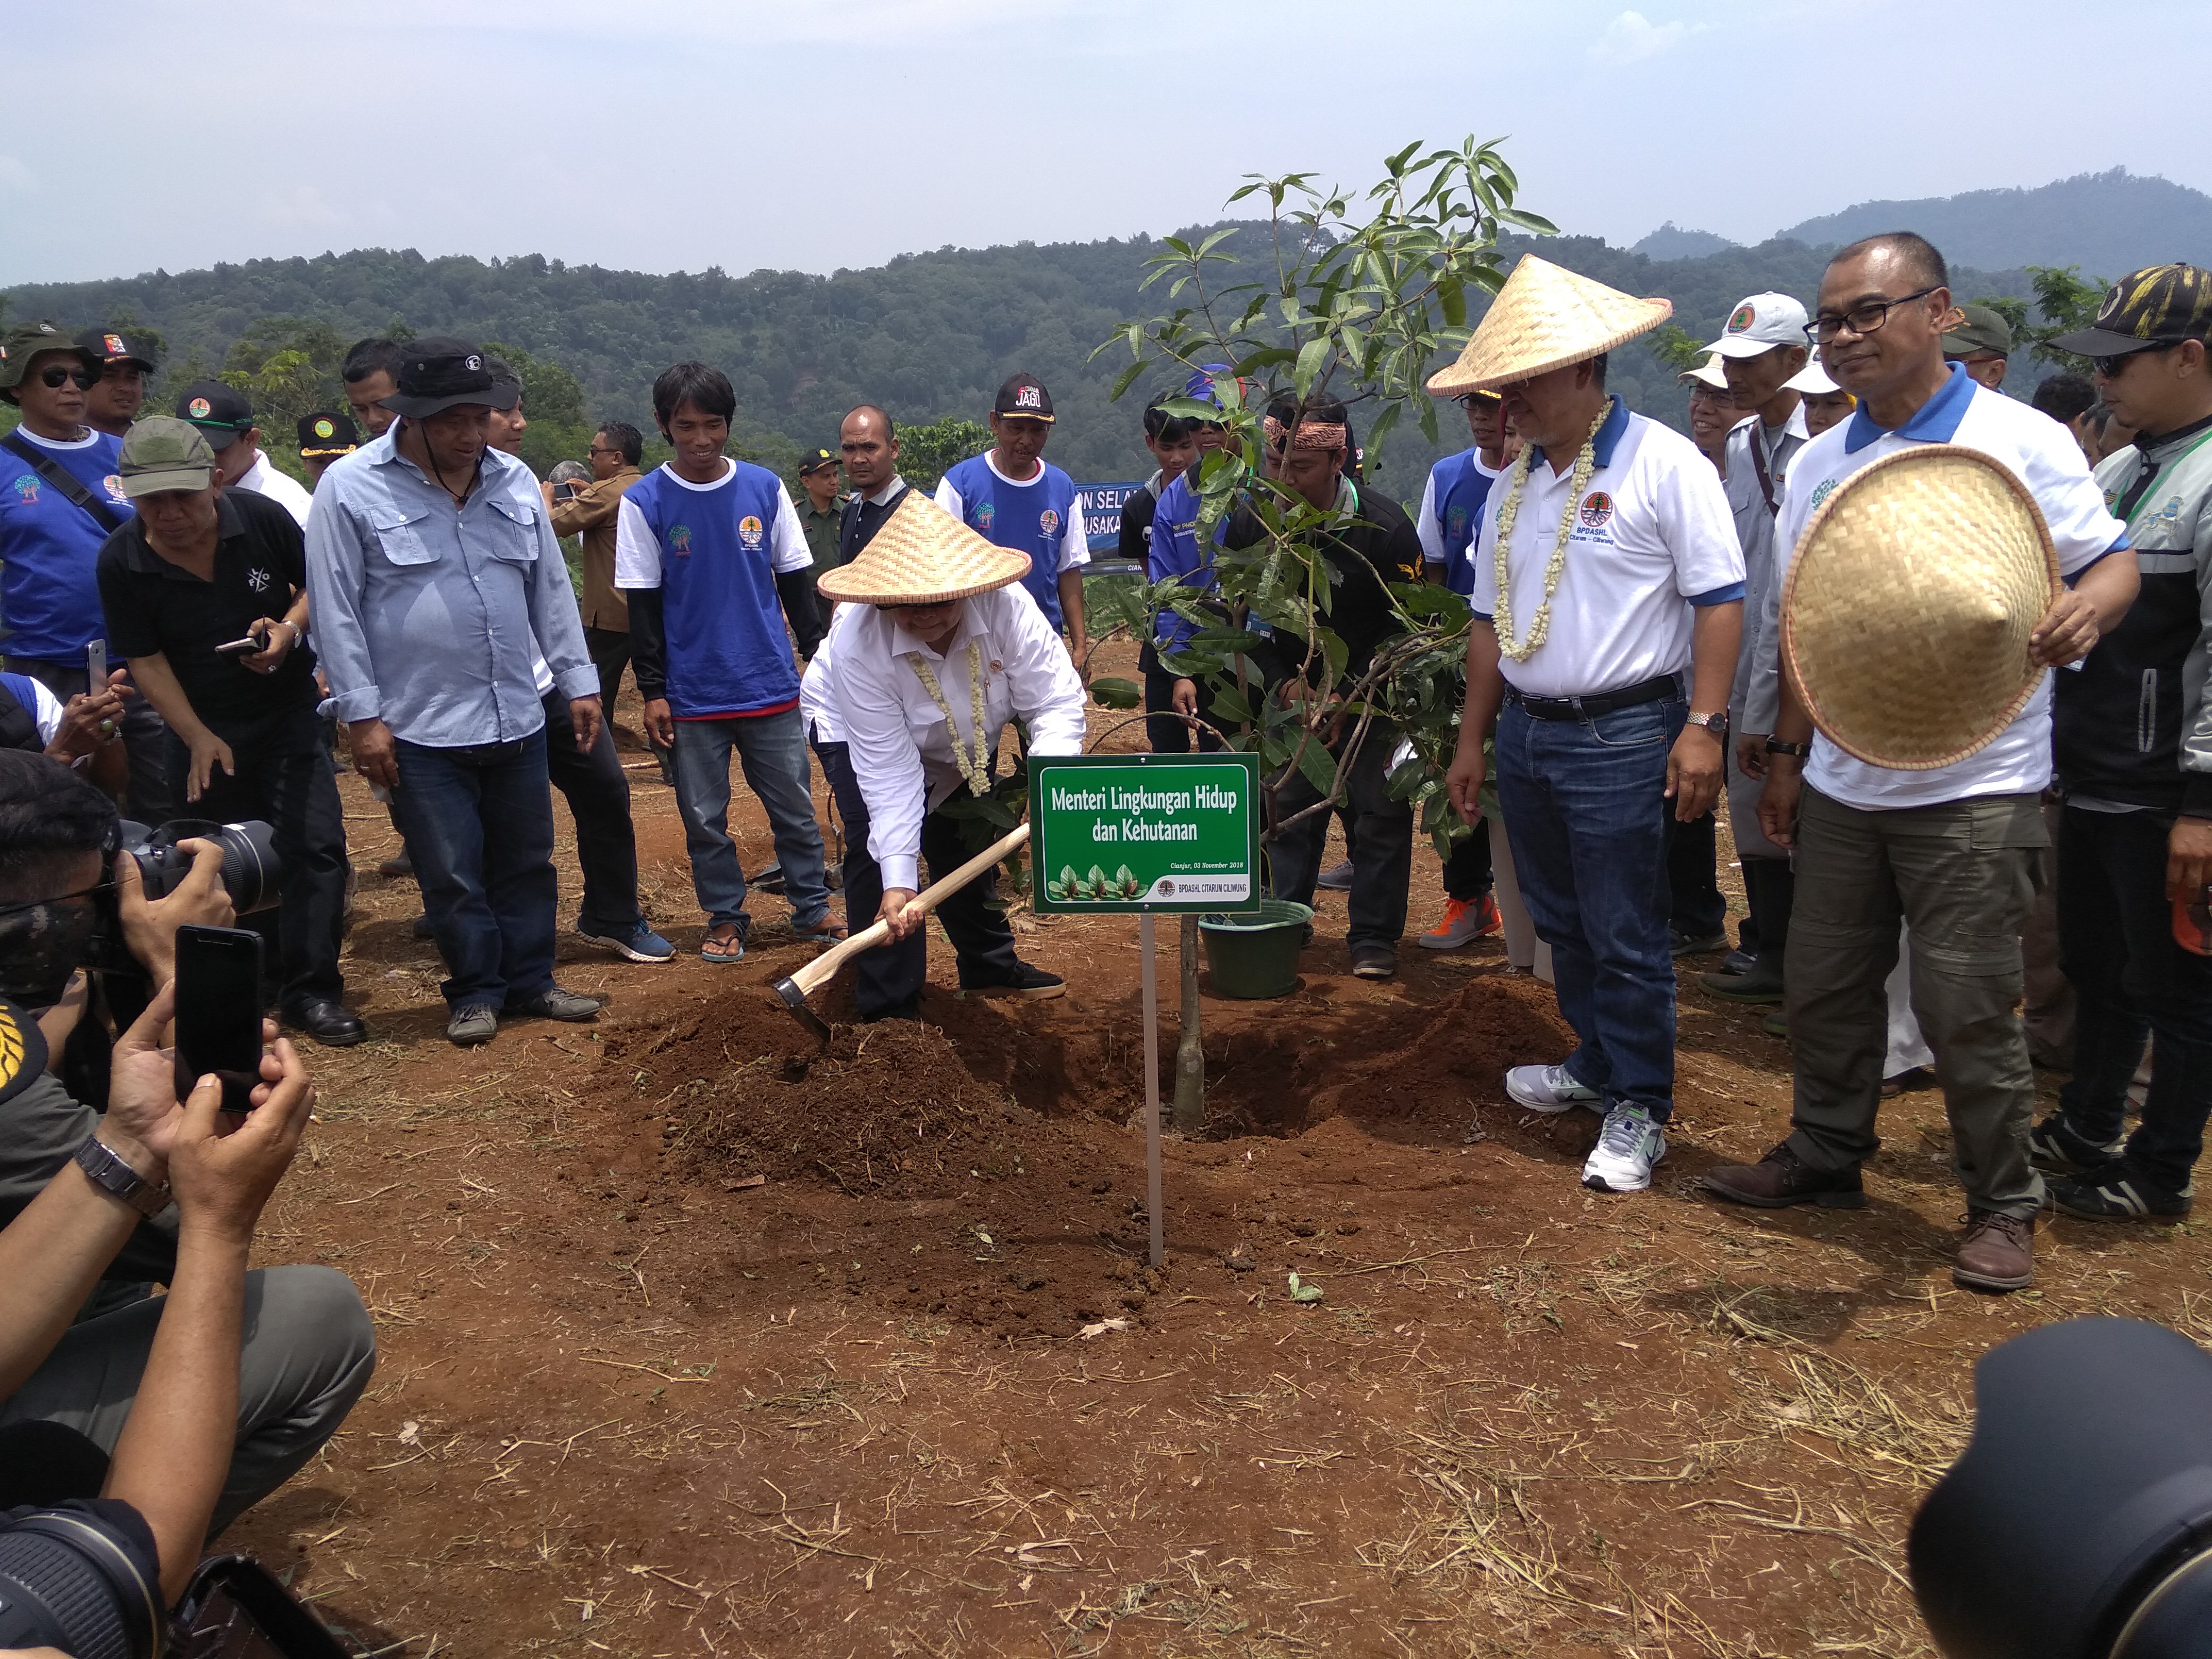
(933, 334)
(1672, 242)
(2107, 223)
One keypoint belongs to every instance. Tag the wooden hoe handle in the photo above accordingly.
(820, 971)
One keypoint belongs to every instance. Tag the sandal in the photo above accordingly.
(725, 943)
(828, 931)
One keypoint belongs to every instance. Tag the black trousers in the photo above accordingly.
(610, 651)
(1165, 730)
(887, 980)
(597, 791)
(154, 798)
(1467, 874)
(1382, 843)
(284, 776)
(1696, 905)
(2131, 981)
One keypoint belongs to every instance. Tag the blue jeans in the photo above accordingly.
(772, 749)
(1588, 824)
(478, 822)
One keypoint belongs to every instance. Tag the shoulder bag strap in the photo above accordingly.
(62, 479)
(1758, 465)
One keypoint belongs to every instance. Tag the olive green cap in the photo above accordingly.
(1981, 328)
(26, 341)
(162, 453)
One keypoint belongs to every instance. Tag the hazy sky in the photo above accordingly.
(658, 135)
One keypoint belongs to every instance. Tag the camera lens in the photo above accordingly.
(251, 872)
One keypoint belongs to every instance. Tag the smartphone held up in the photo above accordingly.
(219, 1013)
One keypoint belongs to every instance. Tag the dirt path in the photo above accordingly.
(633, 1400)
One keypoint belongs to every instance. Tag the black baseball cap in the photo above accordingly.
(815, 461)
(223, 412)
(111, 345)
(1024, 395)
(327, 433)
(2157, 306)
(442, 372)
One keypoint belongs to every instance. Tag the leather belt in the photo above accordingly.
(1605, 703)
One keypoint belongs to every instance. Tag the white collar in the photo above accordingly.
(729, 470)
(1037, 477)
(888, 490)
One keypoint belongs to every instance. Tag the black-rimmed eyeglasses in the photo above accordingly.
(1860, 320)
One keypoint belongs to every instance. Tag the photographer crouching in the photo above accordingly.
(189, 1407)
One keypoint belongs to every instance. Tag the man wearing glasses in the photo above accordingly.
(591, 510)
(1952, 849)
(60, 497)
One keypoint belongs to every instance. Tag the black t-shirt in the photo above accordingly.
(1376, 546)
(152, 605)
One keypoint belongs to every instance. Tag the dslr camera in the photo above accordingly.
(251, 875)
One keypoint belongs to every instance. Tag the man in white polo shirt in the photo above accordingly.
(1604, 639)
(1762, 351)
(1952, 849)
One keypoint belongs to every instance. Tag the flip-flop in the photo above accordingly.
(725, 950)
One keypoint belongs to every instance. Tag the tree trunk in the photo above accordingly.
(1190, 1052)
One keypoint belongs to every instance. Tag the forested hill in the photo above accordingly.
(927, 336)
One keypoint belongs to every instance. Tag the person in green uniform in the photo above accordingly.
(821, 505)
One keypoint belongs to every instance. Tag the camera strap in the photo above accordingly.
(70, 486)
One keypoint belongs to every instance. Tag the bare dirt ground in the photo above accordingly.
(697, 1340)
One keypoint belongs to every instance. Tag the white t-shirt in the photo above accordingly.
(2044, 456)
(286, 491)
(1652, 538)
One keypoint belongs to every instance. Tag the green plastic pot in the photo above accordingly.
(1256, 956)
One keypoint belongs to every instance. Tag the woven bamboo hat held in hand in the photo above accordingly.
(923, 555)
(1906, 613)
(1545, 318)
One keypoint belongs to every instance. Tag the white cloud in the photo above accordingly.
(1632, 37)
(299, 204)
(16, 176)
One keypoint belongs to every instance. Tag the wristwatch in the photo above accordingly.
(1780, 746)
(106, 1170)
(1715, 723)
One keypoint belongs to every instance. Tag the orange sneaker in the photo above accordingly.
(1465, 922)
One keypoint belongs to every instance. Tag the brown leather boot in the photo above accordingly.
(1781, 1179)
(1997, 1253)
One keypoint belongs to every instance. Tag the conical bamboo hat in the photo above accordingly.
(923, 555)
(1545, 318)
(1906, 612)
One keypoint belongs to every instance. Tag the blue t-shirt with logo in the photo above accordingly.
(1461, 487)
(1033, 517)
(49, 597)
(727, 650)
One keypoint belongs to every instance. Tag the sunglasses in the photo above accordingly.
(80, 378)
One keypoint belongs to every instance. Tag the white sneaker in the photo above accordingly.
(1628, 1147)
(1546, 1089)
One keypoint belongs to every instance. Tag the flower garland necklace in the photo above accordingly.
(1540, 625)
(974, 767)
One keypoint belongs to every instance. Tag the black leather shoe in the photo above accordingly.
(331, 1023)
(420, 928)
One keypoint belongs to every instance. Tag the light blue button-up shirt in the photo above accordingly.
(431, 618)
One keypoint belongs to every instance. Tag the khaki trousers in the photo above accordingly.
(1961, 876)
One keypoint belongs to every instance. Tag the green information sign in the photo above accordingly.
(1145, 832)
